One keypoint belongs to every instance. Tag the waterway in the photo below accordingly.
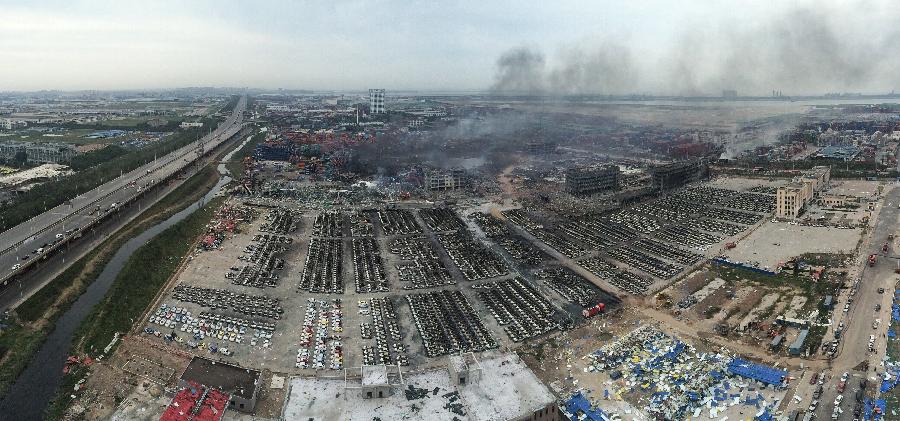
(29, 396)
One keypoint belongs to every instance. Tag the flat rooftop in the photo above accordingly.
(229, 378)
(373, 375)
(508, 389)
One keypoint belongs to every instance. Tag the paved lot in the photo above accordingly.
(207, 269)
(776, 242)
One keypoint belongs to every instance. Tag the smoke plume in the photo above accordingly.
(801, 51)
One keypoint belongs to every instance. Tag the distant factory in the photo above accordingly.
(42, 153)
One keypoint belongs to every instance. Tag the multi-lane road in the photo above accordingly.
(860, 363)
(34, 239)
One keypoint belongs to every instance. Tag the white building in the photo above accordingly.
(376, 101)
(189, 124)
(10, 124)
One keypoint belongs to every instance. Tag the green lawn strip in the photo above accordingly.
(20, 343)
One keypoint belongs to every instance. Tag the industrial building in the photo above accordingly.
(589, 180)
(677, 174)
(838, 153)
(540, 147)
(437, 180)
(376, 101)
(38, 152)
(510, 392)
(241, 384)
(10, 124)
(790, 200)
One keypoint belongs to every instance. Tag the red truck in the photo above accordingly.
(593, 311)
(872, 259)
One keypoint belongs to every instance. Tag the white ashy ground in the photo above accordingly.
(776, 242)
(506, 390)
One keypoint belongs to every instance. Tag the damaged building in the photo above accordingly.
(583, 181)
(438, 180)
(677, 174)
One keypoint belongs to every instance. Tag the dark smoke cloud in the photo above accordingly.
(520, 70)
(802, 51)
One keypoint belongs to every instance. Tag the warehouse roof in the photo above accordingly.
(229, 378)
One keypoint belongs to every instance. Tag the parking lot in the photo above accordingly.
(306, 292)
(644, 247)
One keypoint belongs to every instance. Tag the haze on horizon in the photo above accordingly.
(569, 47)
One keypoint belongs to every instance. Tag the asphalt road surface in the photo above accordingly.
(19, 246)
(859, 318)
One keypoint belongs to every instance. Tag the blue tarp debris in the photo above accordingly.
(881, 404)
(762, 373)
(727, 262)
(765, 416)
(887, 385)
(578, 404)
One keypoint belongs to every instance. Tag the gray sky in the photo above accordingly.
(662, 47)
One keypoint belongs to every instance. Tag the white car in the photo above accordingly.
(16, 266)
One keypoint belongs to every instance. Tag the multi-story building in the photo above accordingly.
(586, 181)
(792, 199)
(376, 101)
(445, 180)
(677, 174)
(540, 147)
(818, 177)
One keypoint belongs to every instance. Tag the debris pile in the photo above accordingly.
(674, 381)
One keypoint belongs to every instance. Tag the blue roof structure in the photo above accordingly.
(759, 372)
(798, 343)
(578, 404)
(845, 153)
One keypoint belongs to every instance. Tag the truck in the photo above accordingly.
(593, 311)
(884, 248)
(729, 246)
(872, 259)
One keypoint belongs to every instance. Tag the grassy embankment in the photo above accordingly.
(132, 291)
(34, 318)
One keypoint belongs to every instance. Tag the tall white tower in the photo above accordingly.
(376, 101)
